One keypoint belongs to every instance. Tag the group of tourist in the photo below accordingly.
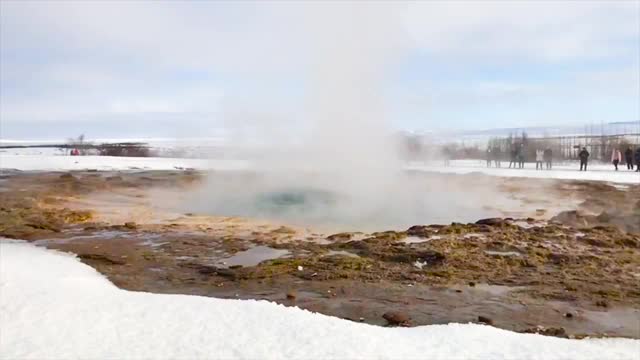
(517, 159)
(544, 158)
(629, 158)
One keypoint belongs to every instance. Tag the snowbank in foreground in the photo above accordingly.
(53, 306)
(597, 172)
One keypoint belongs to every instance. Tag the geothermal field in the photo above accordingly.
(320, 180)
(552, 256)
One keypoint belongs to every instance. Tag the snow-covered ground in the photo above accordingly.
(53, 306)
(596, 171)
(63, 163)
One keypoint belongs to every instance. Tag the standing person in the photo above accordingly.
(637, 156)
(496, 156)
(628, 158)
(446, 153)
(488, 155)
(539, 158)
(514, 155)
(548, 158)
(584, 158)
(616, 158)
(521, 156)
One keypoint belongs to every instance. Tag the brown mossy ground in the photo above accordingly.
(33, 205)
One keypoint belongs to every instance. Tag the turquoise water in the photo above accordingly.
(412, 200)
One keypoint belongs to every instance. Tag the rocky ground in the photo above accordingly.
(571, 273)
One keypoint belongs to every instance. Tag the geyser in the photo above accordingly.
(344, 172)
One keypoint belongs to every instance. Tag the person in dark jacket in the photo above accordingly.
(496, 156)
(514, 156)
(548, 158)
(447, 155)
(521, 156)
(638, 159)
(489, 156)
(628, 158)
(584, 158)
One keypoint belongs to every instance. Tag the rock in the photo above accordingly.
(491, 222)
(283, 230)
(396, 318)
(485, 320)
(99, 258)
(472, 284)
(207, 269)
(226, 273)
(419, 231)
(235, 267)
(573, 218)
(388, 235)
(292, 294)
(604, 217)
(568, 315)
(602, 303)
(344, 236)
(131, 225)
(427, 257)
(67, 176)
(557, 332)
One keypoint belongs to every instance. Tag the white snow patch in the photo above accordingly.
(62, 308)
(569, 171)
(52, 163)
(418, 240)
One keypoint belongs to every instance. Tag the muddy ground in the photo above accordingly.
(565, 273)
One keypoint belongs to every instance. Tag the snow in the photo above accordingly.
(43, 162)
(53, 306)
(570, 171)
(65, 163)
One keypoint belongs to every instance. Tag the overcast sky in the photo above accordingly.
(193, 68)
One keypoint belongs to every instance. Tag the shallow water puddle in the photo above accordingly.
(341, 253)
(496, 290)
(252, 257)
(417, 240)
(474, 236)
(502, 253)
(527, 225)
(104, 234)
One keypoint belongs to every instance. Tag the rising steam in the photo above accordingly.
(344, 172)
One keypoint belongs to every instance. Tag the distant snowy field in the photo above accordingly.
(62, 308)
(106, 163)
(48, 162)
(596, 171)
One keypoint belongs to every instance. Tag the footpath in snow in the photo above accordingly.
(596, 172)
(53, 306)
